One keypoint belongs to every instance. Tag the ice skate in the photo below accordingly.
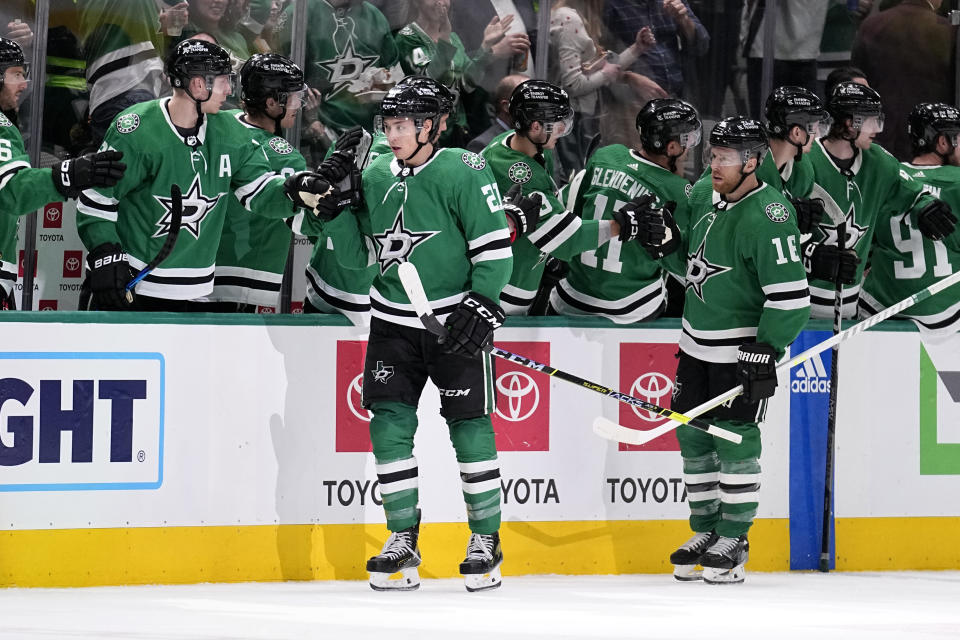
(481, 567)
(400, 555)
(723, 562)
(686, 558)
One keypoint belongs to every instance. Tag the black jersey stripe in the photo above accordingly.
(740, 488)
(940, 324)
(121, 63)
(516, 300)
(8, 275)
(480, 476)
(261, 182)
(179, 280)
(249, 283)
(99, 206)
(9, 172)
(396, 476)
(828, 302)
(559, 228)
(501, 243)
(735, 341)
(584, 306)
(795, 294)
(333, 301)
(404, 313)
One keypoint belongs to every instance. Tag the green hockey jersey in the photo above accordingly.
(330, 287)
(617, 281)
(904, 261)
(226, 162)
(794, 179)
(560, 233)
(446, 217)
(744, 278)
(351, 57)
(22, 189)
(874, 185)
(253, 249)
(123, 45)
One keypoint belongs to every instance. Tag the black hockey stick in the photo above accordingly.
(418, 297)
(176, 217)
(613, 431)
(832, 413)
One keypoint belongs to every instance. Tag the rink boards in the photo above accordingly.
(156, 448)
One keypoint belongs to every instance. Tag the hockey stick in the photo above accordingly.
(832, 412)
(418, 297)
(613, 431)
(176, 217)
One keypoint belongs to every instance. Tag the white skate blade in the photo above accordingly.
(687, 572)
(404, 580)
(712, 575)
(482, 581)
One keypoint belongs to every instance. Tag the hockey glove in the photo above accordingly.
(810, 212)
(657, 231)
(523, 212)
(827, 262)
(109, 274)
(103, 169)
(340, 170)
(349, 139)
(470, 326)
(310, 191)
(936, 221)
(757, 371)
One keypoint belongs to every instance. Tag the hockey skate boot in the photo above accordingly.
(687, 557)
(400, 555)
(723, 562)
(481, 567)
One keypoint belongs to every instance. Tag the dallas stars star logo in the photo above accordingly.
(395, 244)
(853, 231)
(382, 373)
(196, 206)
(346, 67)
(699, 270)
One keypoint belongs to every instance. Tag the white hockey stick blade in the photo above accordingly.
(612, 431)
(410, 280)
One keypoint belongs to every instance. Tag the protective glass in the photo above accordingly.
(395, 126)
(15, 77)
(869, 124)
(563, 128)
(818, 128)
(295, 99)
(226, 82)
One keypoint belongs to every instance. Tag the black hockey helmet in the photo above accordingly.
(269, 75)
(929, 120)
(191, 58)
(448, 98)
(664, 119)
(855, 101)
(791, 106)
(543, 102)
(419, 101)
(744, 135)
(11, 55)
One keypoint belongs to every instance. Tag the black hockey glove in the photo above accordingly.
(340, 170)
(757, 371)
(109, 273)
(470, 326)
(936, 221)
(310, 191)
(103, 169)
(657, 231)
(827, 262)
(349, 139)
(522, 211)
(810, 213)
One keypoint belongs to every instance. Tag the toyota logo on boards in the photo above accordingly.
(521, 420)
(647, 372)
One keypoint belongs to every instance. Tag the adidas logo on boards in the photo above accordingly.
(811, 377)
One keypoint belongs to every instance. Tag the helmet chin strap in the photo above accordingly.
(195, 130)
(539, 145)
(743, 176)
(431, 140)
(799, 154)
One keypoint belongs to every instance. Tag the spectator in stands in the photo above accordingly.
(799, 29)
(925, 74)
(428, 46)
(715, 71)
(397, 12)
(220, 19)
(123, 41)
(502, 120)
(520, 17)
(581, 67)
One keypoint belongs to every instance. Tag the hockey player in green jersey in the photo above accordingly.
(524, 157)
(859, 184)
(904, 260)
(795, 117)
(181, 140)
(330, 288)
(620, 281)
(746, 301)
(439, 209)
(24, 189)
(253, 249)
